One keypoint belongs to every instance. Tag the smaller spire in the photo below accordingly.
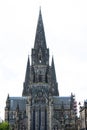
(7, 102)
(53, 70)
(53, 78)
(8, 96)
(27, 76)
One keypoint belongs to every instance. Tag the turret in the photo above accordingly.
(27, 79)
(53, 75)
(8, 102)
(53, 79)
(7, 108)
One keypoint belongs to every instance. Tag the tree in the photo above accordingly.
(4, 126)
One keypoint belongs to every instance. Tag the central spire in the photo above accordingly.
(40, 41)
(40, 52)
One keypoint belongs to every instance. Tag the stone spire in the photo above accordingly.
(7, 101)
(27, 79)
(53, 70)
(53, 79)
(27, 76)
(40, 52)
(40, 41)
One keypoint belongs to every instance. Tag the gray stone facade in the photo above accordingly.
(40, 107)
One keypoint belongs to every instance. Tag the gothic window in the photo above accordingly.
(12, 115)
(46, 78)
(45, 119)
(34, 77)
(40, 59)
(39, 118)
(33, 120)
(40, 56)
(40, 78)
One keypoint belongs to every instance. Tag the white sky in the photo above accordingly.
(65, 23)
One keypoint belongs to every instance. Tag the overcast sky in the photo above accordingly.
(65, 23)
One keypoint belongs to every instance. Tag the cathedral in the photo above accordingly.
(41, 107)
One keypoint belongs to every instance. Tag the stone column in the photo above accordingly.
(28, 112)
(36, 118)
(49, 113)
(42, 118)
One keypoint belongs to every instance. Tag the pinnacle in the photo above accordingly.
(40, 41)
(53, 69)
(27, 70)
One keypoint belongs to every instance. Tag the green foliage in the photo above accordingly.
(4, 126)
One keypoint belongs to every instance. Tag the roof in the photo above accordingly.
(17, 101)
(60, 102)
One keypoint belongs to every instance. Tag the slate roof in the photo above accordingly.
(14, 101)
(59, 102)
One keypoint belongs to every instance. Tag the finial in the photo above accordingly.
(52, 61)
(28, 56)
(40, 8)
(40, 11)
(52, 57)
(8, 96)
(40, 40)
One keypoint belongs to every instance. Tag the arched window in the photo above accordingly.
(40, 59)
(46, 80)
(40, 56)
(40, 78)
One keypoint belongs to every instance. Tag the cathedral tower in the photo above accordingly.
(40, 107)
(40, 82)
(40, 72)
